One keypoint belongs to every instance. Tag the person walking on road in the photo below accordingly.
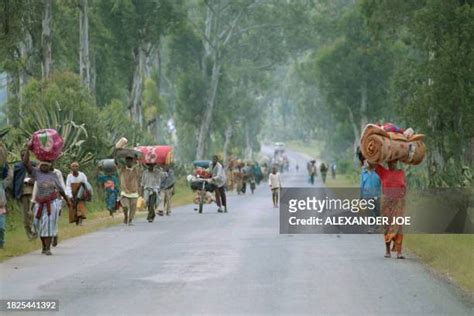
(129, 175)
(110, 184)
(393, 205)
(324, 171)
(167, 190)
(333, 169)
(219, 180)
(47, 205)
(23, 191)
(313, 171)
(274, 181)
(370, 188)
(150, 186)
(78, 191)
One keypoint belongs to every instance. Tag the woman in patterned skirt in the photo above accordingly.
(47, 205)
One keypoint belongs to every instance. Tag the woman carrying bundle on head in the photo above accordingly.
(393, 205)
(78, 190)
(47, 205)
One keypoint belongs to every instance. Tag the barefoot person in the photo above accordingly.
(129, 175)
(275, 184)
(393, 205)
(110, 185)
(74, 182)
(47, 205)
(167, 190)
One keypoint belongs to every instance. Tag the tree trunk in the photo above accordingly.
(227, 138)
(363, 106)
(206, 121)
(84, 61)
(248, 144)
(140, 55)
(93, 77)
(26, 49)
(46, 39)
(356, 135)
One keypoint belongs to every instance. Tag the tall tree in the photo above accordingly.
(84, 60)
(46, 38)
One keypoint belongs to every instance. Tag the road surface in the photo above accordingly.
(234, 263)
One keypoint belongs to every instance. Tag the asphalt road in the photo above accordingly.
(234, 263)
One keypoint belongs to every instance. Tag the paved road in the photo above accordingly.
(235, 263)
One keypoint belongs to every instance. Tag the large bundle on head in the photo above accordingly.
(46, 144)
(108, 166)
(161, 155)
(380, 144)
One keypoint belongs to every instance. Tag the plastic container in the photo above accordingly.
(46, 144)
(108, 166)
(121, 143)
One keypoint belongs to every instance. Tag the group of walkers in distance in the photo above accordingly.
(312, 169)
(42, 192)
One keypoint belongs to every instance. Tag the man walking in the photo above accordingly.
(219, 180)
(129, 175)
(274, 182)
(23, 191)
(74, 182)
(167, 190)
(150, 185)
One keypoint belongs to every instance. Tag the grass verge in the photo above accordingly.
(450, 256)
(16, 242)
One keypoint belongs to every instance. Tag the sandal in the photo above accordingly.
(387, 255)
(400, 257)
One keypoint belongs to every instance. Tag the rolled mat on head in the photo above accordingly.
(378, 146)
(159, 154)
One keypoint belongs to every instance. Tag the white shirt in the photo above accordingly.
(81, 177)
(274, 180)
(218, 175)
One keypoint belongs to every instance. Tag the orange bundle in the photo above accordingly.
(203, 173)
(378, 146)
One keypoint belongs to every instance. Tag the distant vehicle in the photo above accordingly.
(279, 146)
(279, 149)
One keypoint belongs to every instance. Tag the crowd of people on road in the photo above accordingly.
(41, 191)
(235, 175)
